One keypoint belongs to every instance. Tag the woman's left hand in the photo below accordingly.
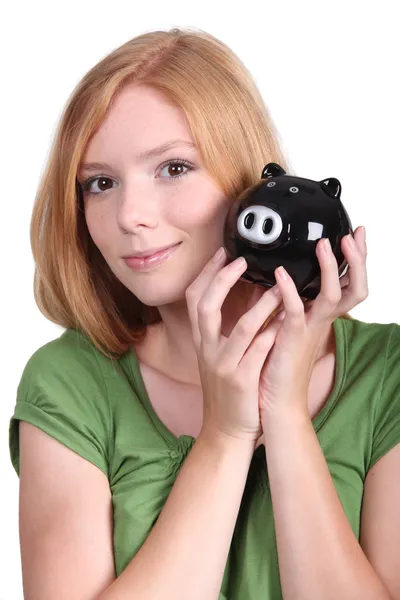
(286, 373)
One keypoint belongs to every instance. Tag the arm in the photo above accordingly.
(185, 554)
(319, 555)
(66, 524)
(65, 521)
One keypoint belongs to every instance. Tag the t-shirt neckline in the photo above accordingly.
(319, 419)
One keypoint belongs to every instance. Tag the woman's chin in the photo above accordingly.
(162, 299)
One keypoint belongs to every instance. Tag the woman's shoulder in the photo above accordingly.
(358, 331)
(62, 392)
(73, 353)
(373, 351)
(71, 345)
(369, 349)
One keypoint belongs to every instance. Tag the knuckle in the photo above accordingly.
(334, 297)
(230, 374)
(205, 308)
(361, 294)
(242, 326)
(190, 292)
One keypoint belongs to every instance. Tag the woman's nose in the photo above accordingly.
(137, 208)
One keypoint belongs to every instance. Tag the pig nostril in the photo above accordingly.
(249, 220)
(267, 226)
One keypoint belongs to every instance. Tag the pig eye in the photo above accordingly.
(271, 184)
(259, 224)
(294, 189)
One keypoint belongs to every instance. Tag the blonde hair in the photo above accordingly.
(235, 136)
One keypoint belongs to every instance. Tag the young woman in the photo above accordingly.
(167, 445)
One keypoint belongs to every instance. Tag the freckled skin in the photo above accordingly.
(144, 208)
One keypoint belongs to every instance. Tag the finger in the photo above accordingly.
(294, 321)
(256, 294)
(248, 327)
(209, 306)
(359, 237)
(257, 353)
(357, 289)
(196, 289)
(325, 304)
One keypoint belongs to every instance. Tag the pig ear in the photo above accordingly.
(331, 187)
(272, 170)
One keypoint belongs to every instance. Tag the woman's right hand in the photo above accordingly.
(230, 367)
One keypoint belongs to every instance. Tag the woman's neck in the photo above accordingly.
(168, 345)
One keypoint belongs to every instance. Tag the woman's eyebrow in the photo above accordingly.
(143, 156)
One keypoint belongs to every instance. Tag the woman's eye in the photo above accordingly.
(100, 181)
(173, 168)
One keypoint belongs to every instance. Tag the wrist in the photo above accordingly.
(223, 441)
(293, 416)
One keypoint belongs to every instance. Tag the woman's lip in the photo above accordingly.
(140, 263)
(149, 255)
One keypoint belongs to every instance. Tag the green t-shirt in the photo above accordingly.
(100, 409)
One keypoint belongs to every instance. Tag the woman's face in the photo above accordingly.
(139, 204)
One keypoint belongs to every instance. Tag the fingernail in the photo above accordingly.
(239, 263)
(364, 234)
(281, 271)
(327, 245)
(351, 241)
(218, 255)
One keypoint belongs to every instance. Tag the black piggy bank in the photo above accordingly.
(279, 220)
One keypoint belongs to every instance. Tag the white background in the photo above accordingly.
(328, 72)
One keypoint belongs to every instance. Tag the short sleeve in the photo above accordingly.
(387, 415)
(62, 392)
